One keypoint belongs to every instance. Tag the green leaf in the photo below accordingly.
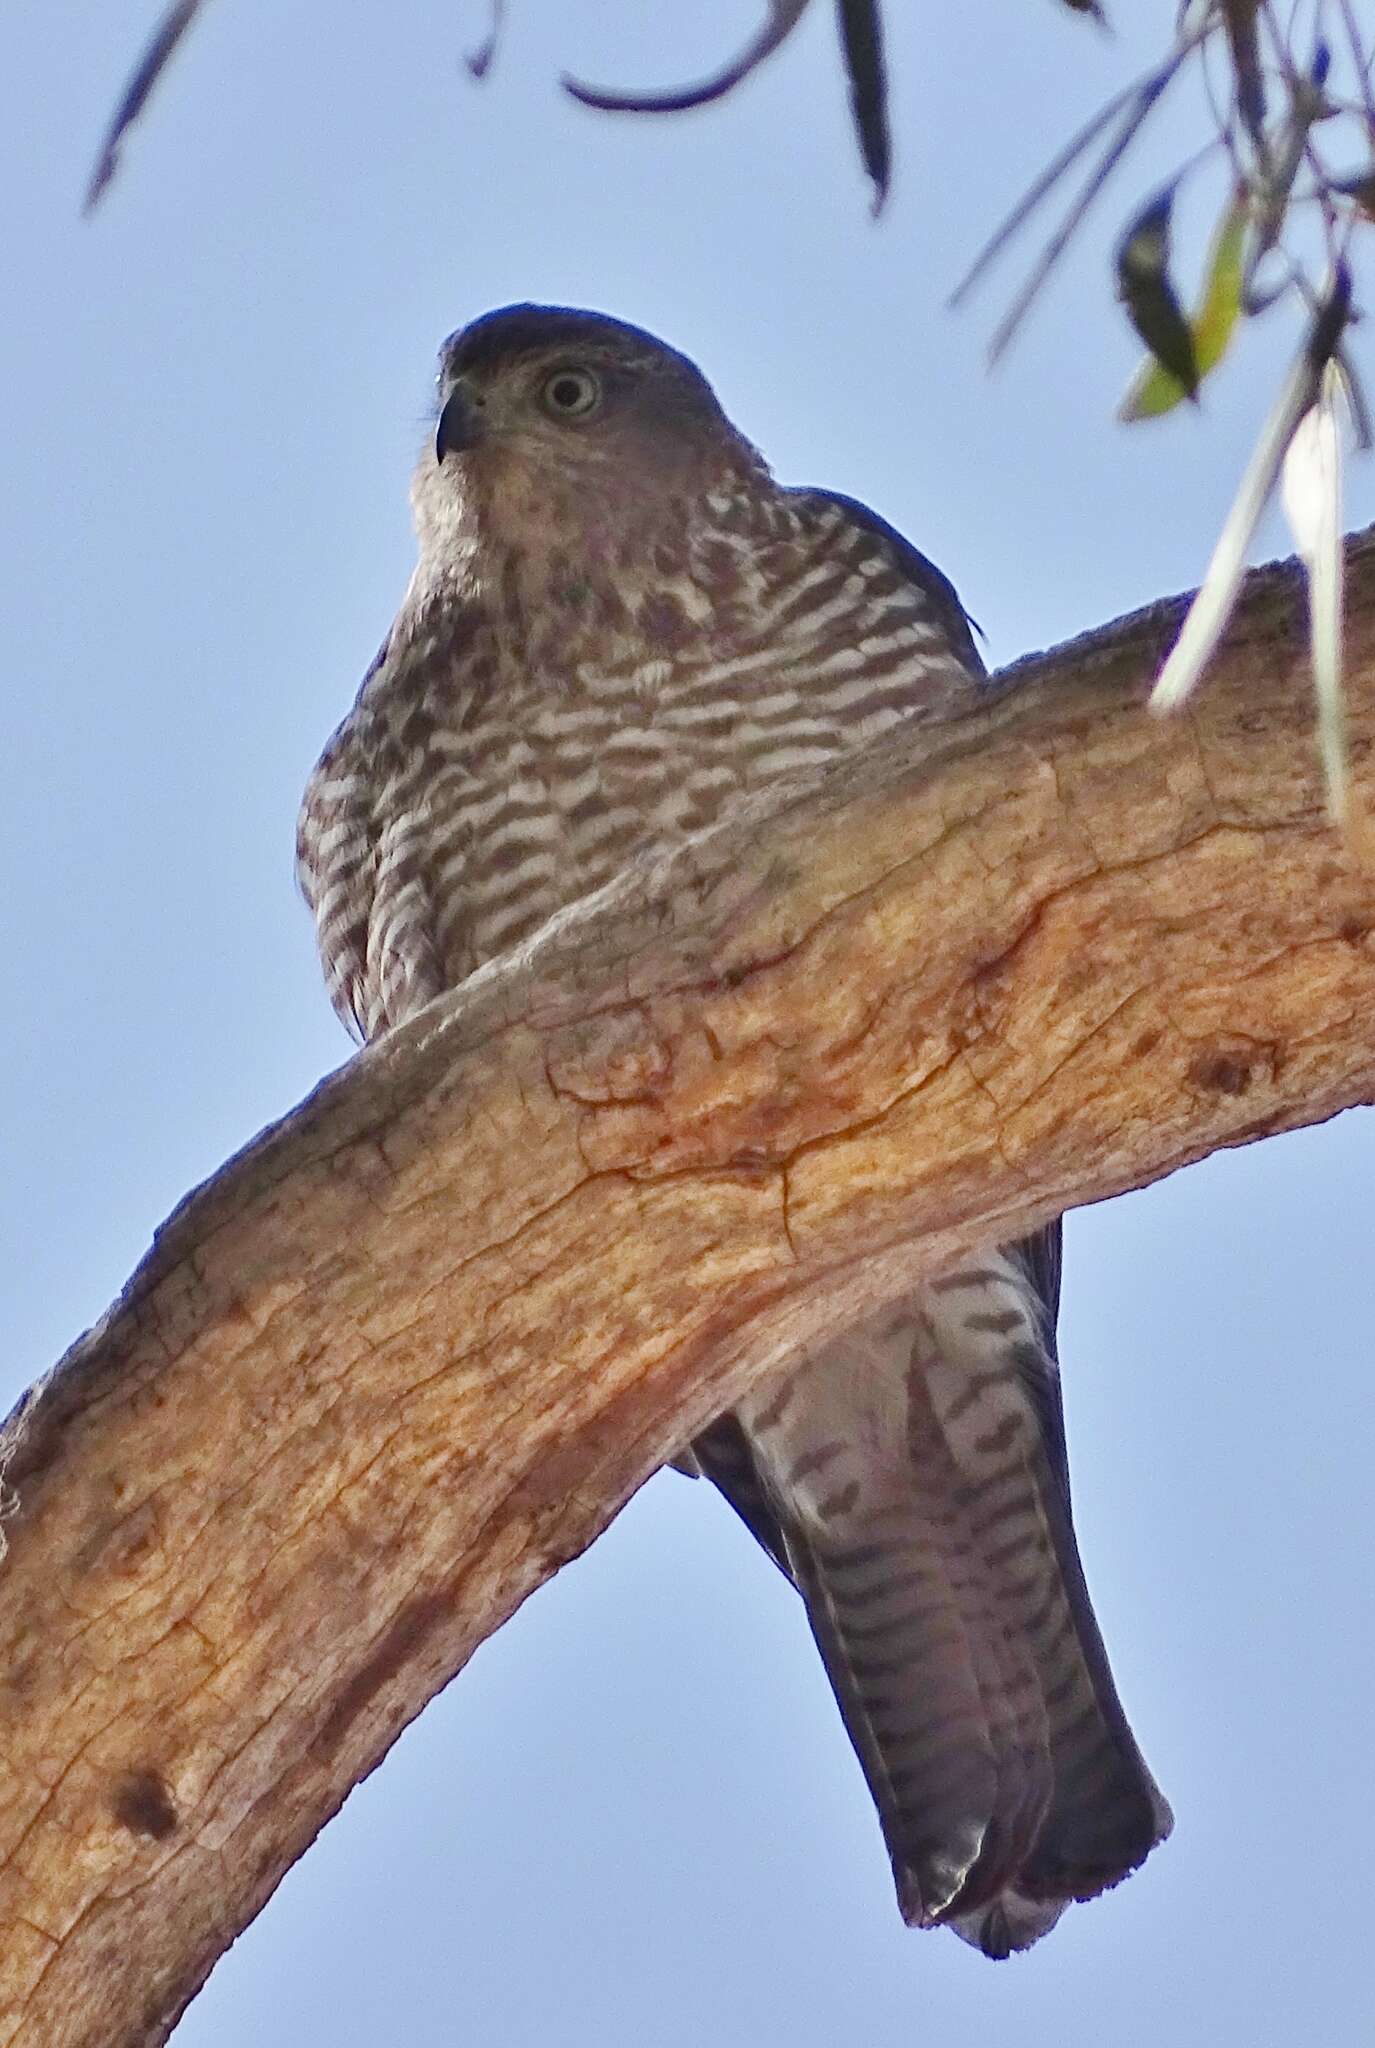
(1154, 390)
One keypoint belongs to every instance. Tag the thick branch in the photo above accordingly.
(413, 1347)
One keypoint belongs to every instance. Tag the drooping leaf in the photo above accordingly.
(1311, 494)
(1145, 289)
(861, 36)
(134, 98)
(783, 18)
(1286, 154)
(1042, 188)
(479, 61)
(1206, 619)
(1127, 109)
(1154, 389)
(1360, 186)
(1243, 40)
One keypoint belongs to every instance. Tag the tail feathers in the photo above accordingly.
(1006, 1781)
(1011, 1923)
(911, 1480)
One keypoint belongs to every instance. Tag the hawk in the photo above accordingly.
(619, 626)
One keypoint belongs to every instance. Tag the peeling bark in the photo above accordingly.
(414, 1346)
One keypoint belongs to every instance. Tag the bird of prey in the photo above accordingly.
(619, 626)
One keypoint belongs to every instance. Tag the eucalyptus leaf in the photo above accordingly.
(1311, 494)
(1146, 290)
(783, 17)
(1240, 17)
(1206, 619)
(1155, 390)
(861, 35)
(479, 61)
(149, 69)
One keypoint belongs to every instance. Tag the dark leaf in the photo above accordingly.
(1128, 109)
(1155, 390)
(1143, 284)
(1308, 104)
(147, 72)
(1088, 7)
(1360, 186)
(1240, 18)
(1330, 320)
(1042, 188)
(479, 61)
(784, 16)
(861, 35)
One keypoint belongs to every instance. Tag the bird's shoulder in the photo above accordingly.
(930, 584)
(367, 813)
(331, 789)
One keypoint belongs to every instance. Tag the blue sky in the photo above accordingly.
(634, 1817)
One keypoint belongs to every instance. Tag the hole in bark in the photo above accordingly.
(144, 1806)
(1226, 1073)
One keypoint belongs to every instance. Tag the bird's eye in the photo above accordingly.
(571, 394)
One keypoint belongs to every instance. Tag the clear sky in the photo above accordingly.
(634, 1817)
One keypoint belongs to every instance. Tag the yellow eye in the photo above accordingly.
(570, 394)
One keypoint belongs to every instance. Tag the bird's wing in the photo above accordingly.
(939, 593)
(380, 842)
(336, 859)
(723, 1454)
(910, 1477)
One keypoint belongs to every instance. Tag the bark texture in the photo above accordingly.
(414, 1346)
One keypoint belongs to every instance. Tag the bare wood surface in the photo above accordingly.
(413, 1347)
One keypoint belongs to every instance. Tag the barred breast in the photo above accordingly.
(513, 748)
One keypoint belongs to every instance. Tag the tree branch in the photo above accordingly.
(414, 1346)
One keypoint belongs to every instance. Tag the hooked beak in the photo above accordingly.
(460, 423)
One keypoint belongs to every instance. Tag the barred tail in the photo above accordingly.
(911, 1479)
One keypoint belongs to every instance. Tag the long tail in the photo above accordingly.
(911, 1479)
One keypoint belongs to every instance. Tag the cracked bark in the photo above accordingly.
(414, 1346)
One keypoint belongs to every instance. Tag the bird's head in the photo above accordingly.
(552, 415)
